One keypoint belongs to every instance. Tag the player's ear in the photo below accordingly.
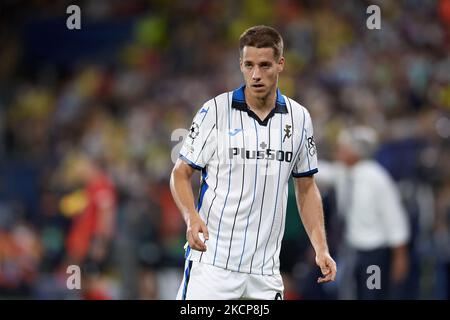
(241, 66)
(281, 64)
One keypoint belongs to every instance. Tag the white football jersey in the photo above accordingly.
(246, 163)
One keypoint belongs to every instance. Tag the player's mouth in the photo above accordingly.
(258, 87)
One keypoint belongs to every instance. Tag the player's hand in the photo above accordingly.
(196, 226)
(327, 267)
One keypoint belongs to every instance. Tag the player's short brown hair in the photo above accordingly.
(262, 37)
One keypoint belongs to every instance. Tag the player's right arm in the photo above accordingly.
(180, 185)
(197, 150)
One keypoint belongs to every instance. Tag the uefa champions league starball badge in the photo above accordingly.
(193, 131)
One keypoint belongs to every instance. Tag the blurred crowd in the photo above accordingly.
(87, 120)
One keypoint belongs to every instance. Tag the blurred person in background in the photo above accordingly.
(20, 255)
(375, 228)
(93, 210)
(93, 225)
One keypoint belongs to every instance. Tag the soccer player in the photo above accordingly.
(247, 143)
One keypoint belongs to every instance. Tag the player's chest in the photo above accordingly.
(243, 138)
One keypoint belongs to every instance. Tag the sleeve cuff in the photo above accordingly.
(305, 174)
(189, 162)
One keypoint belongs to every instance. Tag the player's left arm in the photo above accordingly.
(309, 203)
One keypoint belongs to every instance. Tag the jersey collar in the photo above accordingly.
(240, 104)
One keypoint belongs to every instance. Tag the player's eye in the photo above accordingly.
(248, 65)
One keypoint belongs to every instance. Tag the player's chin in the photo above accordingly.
(259, 92)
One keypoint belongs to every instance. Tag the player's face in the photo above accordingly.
(260, 70)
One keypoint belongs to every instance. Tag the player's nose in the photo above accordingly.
(256, 75)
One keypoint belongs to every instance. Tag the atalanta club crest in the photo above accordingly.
(287, 132)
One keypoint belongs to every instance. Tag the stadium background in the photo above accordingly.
(114, 91)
